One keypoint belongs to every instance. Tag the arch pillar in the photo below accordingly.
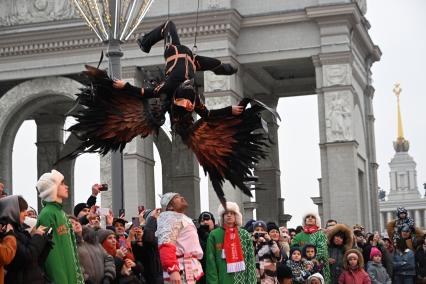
(268, 171)
(50, 137)
(138, 168)
(184, 177)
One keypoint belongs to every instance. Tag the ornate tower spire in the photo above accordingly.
(400, 145)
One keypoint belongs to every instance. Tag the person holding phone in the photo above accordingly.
(146, 251)
(82, 210)
(31, 250)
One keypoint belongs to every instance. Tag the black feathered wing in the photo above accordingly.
(228, 148)
(108, 118)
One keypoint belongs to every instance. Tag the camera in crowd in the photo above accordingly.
(257, 235)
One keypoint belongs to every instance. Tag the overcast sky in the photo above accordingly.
(397, 27)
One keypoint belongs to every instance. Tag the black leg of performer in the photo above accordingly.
(166, 31)
(205, 63)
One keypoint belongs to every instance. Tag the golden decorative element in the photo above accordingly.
(400, 145)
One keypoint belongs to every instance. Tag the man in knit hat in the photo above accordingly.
(180, 250)
(230, 255)
(62, 264)
(207, 224)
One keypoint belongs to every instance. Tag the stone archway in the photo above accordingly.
(44, 100)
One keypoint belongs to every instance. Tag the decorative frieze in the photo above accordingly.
(336, 74)
(213, 82)
(18, 12)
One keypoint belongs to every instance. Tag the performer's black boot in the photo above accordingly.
(166, 31)
(146, 41)
(225, 69)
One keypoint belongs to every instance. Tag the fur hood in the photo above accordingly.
(317, 218)
(360, 258)
(233, 207)
(349, 239)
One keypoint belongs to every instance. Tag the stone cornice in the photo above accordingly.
(329, 14)
(74, 34)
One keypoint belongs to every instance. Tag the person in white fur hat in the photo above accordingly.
(62, 264)
(312, 234)
(180, 250)
(230, 255)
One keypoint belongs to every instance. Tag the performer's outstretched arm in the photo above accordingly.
(204, 63)
(167, 86)
(204, 112)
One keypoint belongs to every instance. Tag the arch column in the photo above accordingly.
(138, 168)
(50, 141)
(185, 178)
(268, 170)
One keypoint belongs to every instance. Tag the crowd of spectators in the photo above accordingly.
(164, 245)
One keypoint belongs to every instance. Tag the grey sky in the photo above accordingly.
(398, 28)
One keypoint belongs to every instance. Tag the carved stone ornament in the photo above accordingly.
(18, 12)
(213, 82)
(338, 74)
(338, 116)
(216, 4)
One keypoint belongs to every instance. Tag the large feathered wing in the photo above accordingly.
(108, 118)
(228, 148)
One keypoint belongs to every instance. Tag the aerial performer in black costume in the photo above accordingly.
(227, 142)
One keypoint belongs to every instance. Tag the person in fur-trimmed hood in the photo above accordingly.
(354, 269)
(313, 234)
(340, 240)
(230, 255)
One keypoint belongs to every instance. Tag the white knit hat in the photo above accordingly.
(47, 185)
(232, 207)
(166, 198)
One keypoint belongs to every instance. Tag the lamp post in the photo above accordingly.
(114, 21)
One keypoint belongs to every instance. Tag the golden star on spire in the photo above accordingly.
(400, 145)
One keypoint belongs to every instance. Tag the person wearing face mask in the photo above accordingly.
(206, 223)
(31, 250)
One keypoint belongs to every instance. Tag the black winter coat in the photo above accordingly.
(421, 262)
(31, 253)
(148, 253)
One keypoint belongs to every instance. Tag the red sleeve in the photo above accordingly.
(168, 257)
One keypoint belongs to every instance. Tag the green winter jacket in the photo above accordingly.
(62, 265)
(216, 265)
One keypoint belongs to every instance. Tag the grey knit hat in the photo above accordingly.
(103, 234)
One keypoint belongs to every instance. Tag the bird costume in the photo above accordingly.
(227, 146)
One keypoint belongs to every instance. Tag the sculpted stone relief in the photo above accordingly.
(17, 12)
(216, 4)
(338, 74)
(338, 116)
(213, 82)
